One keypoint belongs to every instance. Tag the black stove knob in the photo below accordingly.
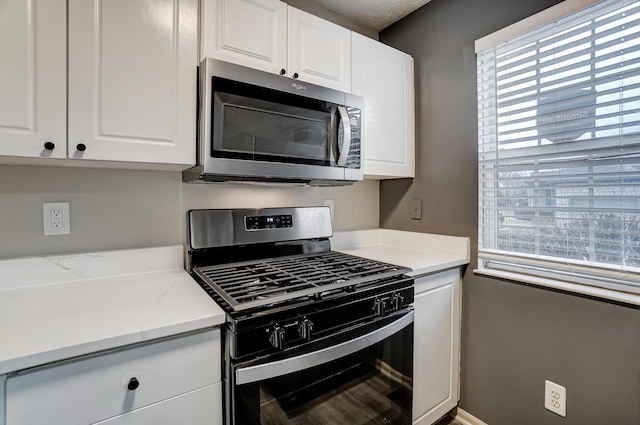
(277, 337)
(397, 301)
(305, 329)
(379, 307)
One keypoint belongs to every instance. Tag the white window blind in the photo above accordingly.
(559, 149)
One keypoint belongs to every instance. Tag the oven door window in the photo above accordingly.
(370, 386)
(266, 125)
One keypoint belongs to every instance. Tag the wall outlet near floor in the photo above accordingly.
(555, 398)
(56, 218)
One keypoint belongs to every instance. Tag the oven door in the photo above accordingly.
(361, 377)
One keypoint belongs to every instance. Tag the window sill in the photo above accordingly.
(607, 294)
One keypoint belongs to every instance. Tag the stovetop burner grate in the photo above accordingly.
(262, 282)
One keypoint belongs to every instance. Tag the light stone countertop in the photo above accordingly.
(423, 253)
(58, 307)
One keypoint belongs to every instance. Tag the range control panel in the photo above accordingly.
(264, 222)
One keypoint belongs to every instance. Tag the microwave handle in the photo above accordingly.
(346, 139)
(247, 375)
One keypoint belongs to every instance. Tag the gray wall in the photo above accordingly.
(514, 336)
(120, 209)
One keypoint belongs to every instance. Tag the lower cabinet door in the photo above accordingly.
(105, 385)
(436, 346)
(199, 407)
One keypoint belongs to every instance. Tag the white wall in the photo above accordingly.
(118, 209)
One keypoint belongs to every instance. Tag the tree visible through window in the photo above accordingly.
(559, 149)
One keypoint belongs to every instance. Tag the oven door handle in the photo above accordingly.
(261, 372)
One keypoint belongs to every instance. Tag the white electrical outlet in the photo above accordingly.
(555, 398)
(56, 218)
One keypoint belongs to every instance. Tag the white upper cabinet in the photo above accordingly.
(131, 72)
(252, 33)
(270, 36)
(384, 77)
(132, 80)
(319, 51)
(33, 78)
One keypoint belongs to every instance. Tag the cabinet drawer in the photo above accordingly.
(94, 388)
(199, 407)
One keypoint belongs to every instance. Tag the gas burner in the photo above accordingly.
(258, 283)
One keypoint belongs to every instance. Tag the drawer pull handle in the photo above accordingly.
(81, 147)
(133, 384)
(49, 146)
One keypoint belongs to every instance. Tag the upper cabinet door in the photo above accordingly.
(33, 77)
(319, 51)
(252, 33)
(384, 77)
(132, 80)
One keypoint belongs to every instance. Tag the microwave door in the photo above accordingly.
(262, 139)
(262, 130)
(345, 135)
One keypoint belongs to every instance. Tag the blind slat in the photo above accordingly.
(593, 39)
(559, 149)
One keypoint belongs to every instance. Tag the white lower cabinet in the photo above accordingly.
(194, 408)
(436, 365)
(146, 384)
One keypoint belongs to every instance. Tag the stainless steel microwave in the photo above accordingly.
(260, 127)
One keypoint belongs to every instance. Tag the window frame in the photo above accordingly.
(587, 280)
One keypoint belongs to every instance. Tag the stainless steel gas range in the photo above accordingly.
(313, 336)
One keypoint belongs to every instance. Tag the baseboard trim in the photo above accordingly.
(466, 418)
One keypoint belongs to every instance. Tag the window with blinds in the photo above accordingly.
(559, 149)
